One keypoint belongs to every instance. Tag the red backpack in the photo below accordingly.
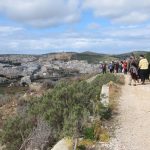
(125, 65)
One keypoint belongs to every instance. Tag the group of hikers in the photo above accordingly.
(137, 68)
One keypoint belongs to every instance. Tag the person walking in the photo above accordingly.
(116, 67)
(104, 68)
(111, 67)
(143, 66)
(133, 70)
(148, 73)
(125, 67)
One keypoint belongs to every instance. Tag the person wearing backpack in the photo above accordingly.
(133, 70)
(111, 67)
(125, 67)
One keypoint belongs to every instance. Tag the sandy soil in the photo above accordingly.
(133, 131)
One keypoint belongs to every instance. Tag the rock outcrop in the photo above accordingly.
(54, 66)
(11, 72)
(105, 95)
(35, 87)
(64, 144)
(25, 81)
(3, 80)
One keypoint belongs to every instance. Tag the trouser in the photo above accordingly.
(104, 71)
(130, 80)
(143, 74)
(125, 71)
(111, 71)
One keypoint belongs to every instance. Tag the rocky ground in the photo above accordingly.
(25, 67)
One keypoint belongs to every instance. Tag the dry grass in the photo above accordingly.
(115, 93)
(86, 142)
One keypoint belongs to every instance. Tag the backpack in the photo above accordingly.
(125, 65)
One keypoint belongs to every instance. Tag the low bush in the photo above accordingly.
(105, 112)
(89, 133)
(81, 147)
(15, 131)
(66, 109)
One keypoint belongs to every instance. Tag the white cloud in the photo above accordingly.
(105, 39)
(120, 11)
(6, 31)
(46, 13)
(93, 26)
(132, 18)
(41, 13)
(9, 29)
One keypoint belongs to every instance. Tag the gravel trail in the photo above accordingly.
(133, 131)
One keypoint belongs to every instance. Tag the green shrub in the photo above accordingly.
(81, 147)
(66, 108)
(15, 130)
(105, 112)
(89, 133)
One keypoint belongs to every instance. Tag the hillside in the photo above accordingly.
(71, 107)
(58, 101)
(125, 55)
(93, 58)
(89, 56)
(148, 56)
(93, 53)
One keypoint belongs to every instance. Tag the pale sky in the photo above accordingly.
(45, 26)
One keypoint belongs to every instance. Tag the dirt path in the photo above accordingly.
(133, 132)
